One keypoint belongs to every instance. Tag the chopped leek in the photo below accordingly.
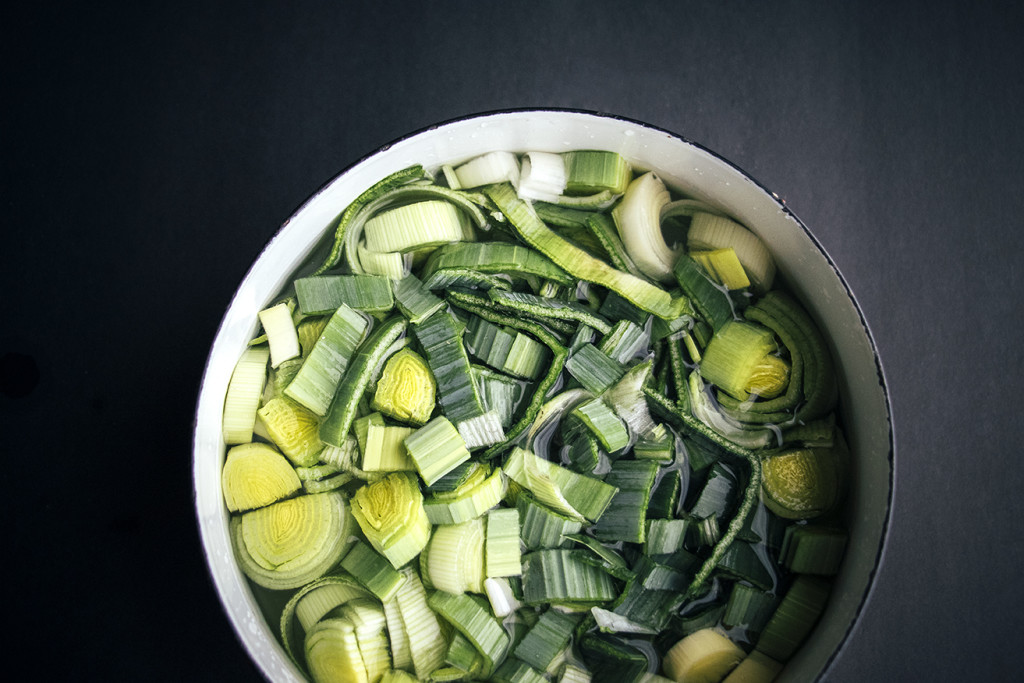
(292, 542)
(406, 389)
(501, 547)
(706, 656)
(413, 226)
(316, 381)
(281, 335)
(638, 218)
(391, 516)
(243, 395)
(255, 475)
(294, 428)
(436, 448)
(455, 560)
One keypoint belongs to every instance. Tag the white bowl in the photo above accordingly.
(688, 167)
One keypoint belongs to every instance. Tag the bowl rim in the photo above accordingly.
(886, 518)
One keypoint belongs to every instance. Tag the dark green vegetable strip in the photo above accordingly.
(594, 370)
(394, 180)
(603, 228)
(612, 660)
(625, 517)
(710, 299)
(495, 257)
(558, 356)
(367, 358)
(325, 293)
(574, 260)
(665, 496)
(794, 618)
(542, 308)
(547, 638)
(441, 338)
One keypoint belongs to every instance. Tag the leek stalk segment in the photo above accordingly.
(406, 389)
(255, 475)
(292, 542)
(243, 395)
(638, 218)
(391, 516)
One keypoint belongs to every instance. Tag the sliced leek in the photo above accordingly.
(638, 218)
(256, 475)
(391, 516)
(243, 395)
(709, 231)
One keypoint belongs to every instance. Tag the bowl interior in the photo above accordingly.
(681, 164)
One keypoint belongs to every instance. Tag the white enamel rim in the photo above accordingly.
(682, 164)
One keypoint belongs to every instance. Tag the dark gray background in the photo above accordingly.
(150, 150)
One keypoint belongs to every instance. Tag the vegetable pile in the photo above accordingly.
(537, 418)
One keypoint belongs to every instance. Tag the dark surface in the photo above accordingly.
(150, 151)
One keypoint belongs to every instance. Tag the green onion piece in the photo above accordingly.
(624, 520)
(426, 640)
(332, 652)
(412, 226)
(554, 575)
(573, 259)
(503, 258)
(724, 267)
(498, 393)
(472, 618)
(813, 549)
(658, 445)
(793, 620)
(547, 638)
(292, 542)
(749, 562)
(501, 547)
(592, 171)
(462, 655)
(716, 498)
(382, 445)
(574, 674)
(243, 395)
(542, 527)
(602, 421)
(477, 495)
(665, 496)
(455, 557)
(572, 494)
(323, 294)
(710, 231)
(391, 515)
(369, 356)
(706, 655)
(329, 483)
(436, 448)
(406, 389)
(255, 475)
(513, 670)
(542, 176)
(372, 571)
(749, 608)
(624, 341)
(602, 227)
(372, 193)
(316, 381)
(665, 536)
(541, 387)
(281, 335)
(601, 556)
(614, 658)
(482, 430)
(626, 399)
(493, 167)
(593, 369)
(311, 603)
(542, 308)
(736, 352)
(393, 265)
(709, 298)
(441, 339)
(638, 219)
(414, 300)
(293, 428)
